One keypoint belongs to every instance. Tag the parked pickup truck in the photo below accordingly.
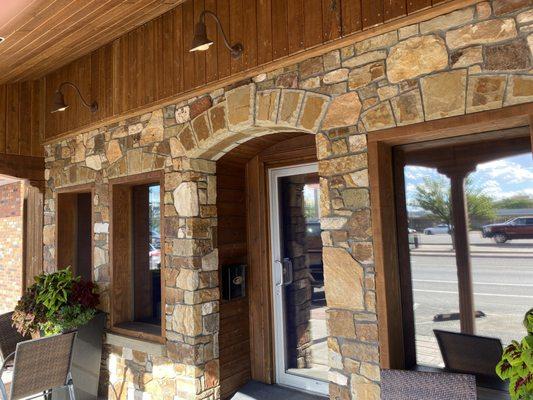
(516, 228)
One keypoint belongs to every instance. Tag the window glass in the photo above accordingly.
(499, 202)
(432, 260)
(147, 254)
(502, 255)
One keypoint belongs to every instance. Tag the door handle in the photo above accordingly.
(280, 283)
(287, 267)
(287, 276)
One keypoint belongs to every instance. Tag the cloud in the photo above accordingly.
(507, 170)
(418, 173)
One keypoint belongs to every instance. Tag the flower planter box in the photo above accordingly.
(86, 360)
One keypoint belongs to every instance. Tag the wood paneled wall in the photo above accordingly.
(234, 337)
(153, 63)
(21, 119)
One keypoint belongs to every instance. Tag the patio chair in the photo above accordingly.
(9, 336)
(40, 366)
(416, 385)
(472, 354)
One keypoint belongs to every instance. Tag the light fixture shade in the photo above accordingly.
(59, 102)
(200, 42)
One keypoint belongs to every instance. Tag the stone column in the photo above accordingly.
(191, 278)
(349, 274)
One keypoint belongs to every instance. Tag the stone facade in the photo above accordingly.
(474, 59)
(11, 228)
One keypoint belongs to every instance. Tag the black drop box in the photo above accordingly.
(233, 281)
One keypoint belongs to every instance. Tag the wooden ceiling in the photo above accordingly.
(41, 35)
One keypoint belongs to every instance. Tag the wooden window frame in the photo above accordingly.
(152, 177)
(83, 188)
(394, 350)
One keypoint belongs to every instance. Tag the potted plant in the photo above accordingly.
(59, 302)
(516, 364)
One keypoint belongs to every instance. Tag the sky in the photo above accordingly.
(498, 179)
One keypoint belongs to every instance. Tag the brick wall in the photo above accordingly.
(11, 219)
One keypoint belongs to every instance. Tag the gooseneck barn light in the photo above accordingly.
(201, 42)
(59, 100)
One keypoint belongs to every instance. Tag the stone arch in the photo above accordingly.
(245, 113)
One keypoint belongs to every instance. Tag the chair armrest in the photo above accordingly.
(3, 391)
(4, 364)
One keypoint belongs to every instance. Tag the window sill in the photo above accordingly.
(137, 341)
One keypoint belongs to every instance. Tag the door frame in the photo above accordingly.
(394, 351)
(300, 149)
(278, 320)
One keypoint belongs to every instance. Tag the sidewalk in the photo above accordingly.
(475, 250)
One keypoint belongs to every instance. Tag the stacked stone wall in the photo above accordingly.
(473, 59)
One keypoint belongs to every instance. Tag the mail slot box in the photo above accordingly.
(233, 281)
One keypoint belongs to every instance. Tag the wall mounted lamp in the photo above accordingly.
(59, 100)
(201, 42)
(2, 39)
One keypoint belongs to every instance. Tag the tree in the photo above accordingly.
(434, 196)
(515, 202)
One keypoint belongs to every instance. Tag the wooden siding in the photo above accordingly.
(152, 63)
(234, 337)
(20, 118)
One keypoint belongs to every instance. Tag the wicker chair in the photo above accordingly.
(40, 366)
(415, 385)
(9, 337)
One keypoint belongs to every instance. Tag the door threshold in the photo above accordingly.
(254, 390)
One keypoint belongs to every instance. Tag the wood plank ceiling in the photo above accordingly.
(41, 35)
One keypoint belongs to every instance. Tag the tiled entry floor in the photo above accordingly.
(259, 391)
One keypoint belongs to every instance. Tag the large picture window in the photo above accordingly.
(466, 207)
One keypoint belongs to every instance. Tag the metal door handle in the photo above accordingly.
(280, 284)
(287, 264)
(286, 272)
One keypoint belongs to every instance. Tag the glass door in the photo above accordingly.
(297, 279)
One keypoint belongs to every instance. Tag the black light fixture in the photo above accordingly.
(59, 100)
(201, 42)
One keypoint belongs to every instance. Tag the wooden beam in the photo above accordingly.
(462, 247)
(24, 167)
(388, 293)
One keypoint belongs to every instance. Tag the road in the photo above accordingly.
(503, 289)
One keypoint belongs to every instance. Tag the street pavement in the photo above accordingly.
(503, 287)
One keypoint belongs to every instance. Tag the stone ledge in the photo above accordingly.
(144, 346)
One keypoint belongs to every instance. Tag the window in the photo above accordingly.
(74, 232)
(471, 276)
(137, 257)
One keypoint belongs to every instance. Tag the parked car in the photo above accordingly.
(437, 230)
(516, 228)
